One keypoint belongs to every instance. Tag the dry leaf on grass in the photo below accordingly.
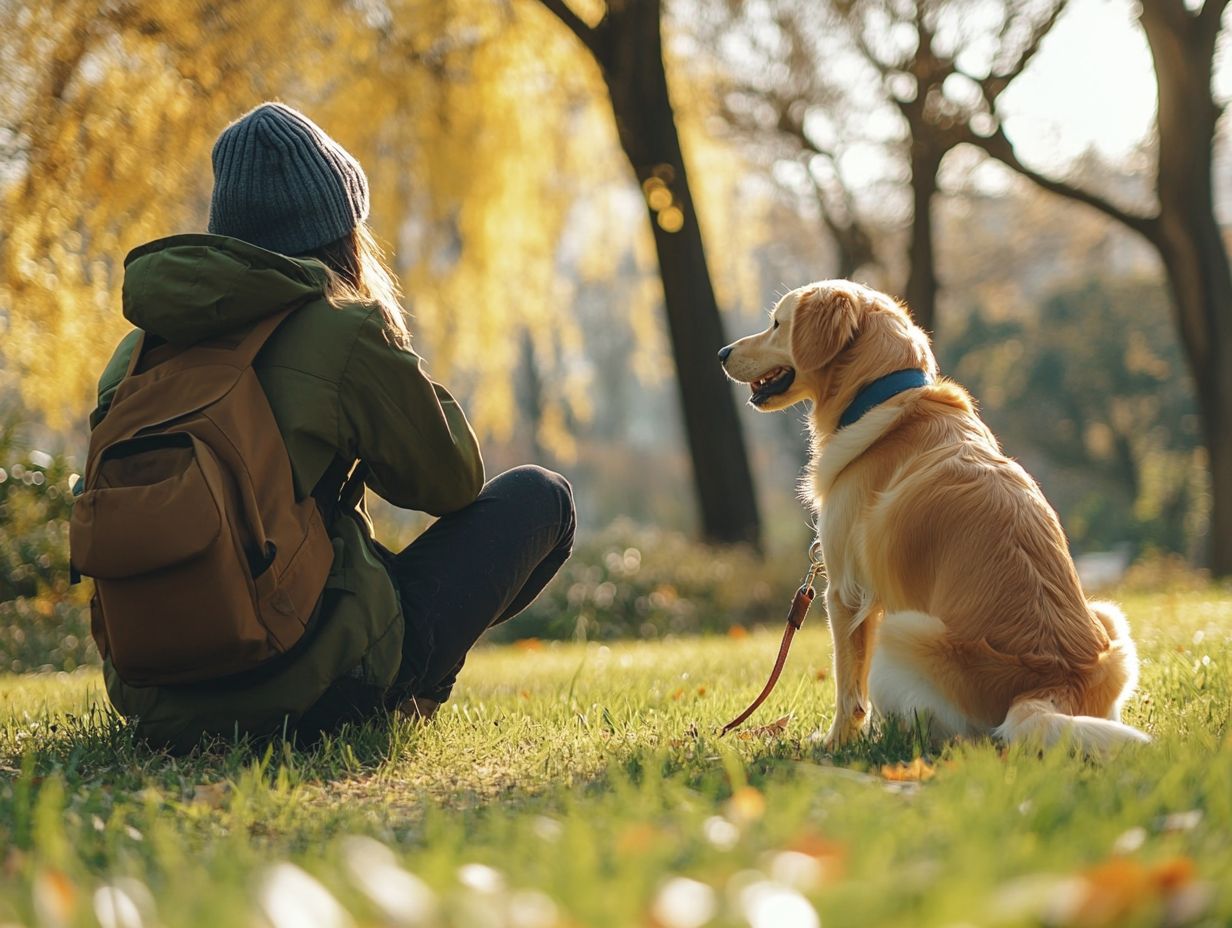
(55, 898)
(211, 795)
(1112, 892)
(775, 728)
(747, 804)
(691, 734)
(918, 771)
(637, 839)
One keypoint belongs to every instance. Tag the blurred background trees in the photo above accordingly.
(586, 198)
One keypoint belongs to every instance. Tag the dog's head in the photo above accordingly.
(825, 341)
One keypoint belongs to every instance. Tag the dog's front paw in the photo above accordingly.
(840, 733)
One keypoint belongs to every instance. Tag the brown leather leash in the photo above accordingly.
(795, 618)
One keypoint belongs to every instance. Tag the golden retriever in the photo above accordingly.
(952, 595)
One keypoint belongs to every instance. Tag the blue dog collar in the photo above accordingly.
(880, 390)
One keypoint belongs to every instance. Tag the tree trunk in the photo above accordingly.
(921, 292)
(1201, 285)
(1188, 236)
(628, 48)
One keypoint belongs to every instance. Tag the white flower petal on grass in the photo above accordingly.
(1036, 897)
(547, 828)
(721, 833)
(799, 871)
(481, 878)
(123, 904)
(1181, 821)
(290, 898)
(1129, 841)
(402, 897)
(684, 903)
(529, 908)
(770, 905)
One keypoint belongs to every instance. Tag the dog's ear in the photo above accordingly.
(823, 322)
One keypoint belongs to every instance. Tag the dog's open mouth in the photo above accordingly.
(771, 384)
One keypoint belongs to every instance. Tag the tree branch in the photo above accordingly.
(1212, 16)
(850, 17)
(561, 10)
(999, 147)
(995, 84)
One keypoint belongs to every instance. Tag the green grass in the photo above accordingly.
(588, 778)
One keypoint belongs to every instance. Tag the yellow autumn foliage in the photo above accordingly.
(484, 127)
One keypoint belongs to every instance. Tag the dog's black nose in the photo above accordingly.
(723, 353)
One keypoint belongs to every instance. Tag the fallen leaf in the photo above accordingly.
(1170, 875)
(636, 839)
(777, 727)
(737, 631)
(823, 674)
(529, 644)
(211, 795)
(55, 898)
(919, 770)
(1112, 891)
(747, 804)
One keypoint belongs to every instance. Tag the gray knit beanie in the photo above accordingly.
(281, 183)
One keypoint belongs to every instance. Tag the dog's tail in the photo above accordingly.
(1036, 720)
(1040, 718)
(1118, 666)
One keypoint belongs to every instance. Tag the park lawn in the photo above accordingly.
(581, 785)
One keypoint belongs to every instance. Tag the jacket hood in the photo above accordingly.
(187, 288)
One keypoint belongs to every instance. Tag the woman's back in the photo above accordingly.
(337, 383)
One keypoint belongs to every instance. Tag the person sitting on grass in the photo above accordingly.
(390, 630)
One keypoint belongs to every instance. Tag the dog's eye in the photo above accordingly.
(776, 324)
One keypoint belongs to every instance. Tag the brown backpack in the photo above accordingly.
(204, 562)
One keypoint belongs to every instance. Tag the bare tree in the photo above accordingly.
(767, 108)
(905, 54)
(627, 45)
(916, 72)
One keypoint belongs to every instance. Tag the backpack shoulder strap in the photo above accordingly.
(250, 346)
(242, 355)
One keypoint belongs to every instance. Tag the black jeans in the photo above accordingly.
(476, 568)
(472, 569)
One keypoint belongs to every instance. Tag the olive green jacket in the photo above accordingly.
(339, 387)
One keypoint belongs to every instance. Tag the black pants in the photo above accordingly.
(476, 568)
(472, 569)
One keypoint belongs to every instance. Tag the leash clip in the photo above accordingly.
(816, 564)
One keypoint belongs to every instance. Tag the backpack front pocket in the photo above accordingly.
(152, 507)
(165, 538)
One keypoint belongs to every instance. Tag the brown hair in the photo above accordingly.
(358, 274)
